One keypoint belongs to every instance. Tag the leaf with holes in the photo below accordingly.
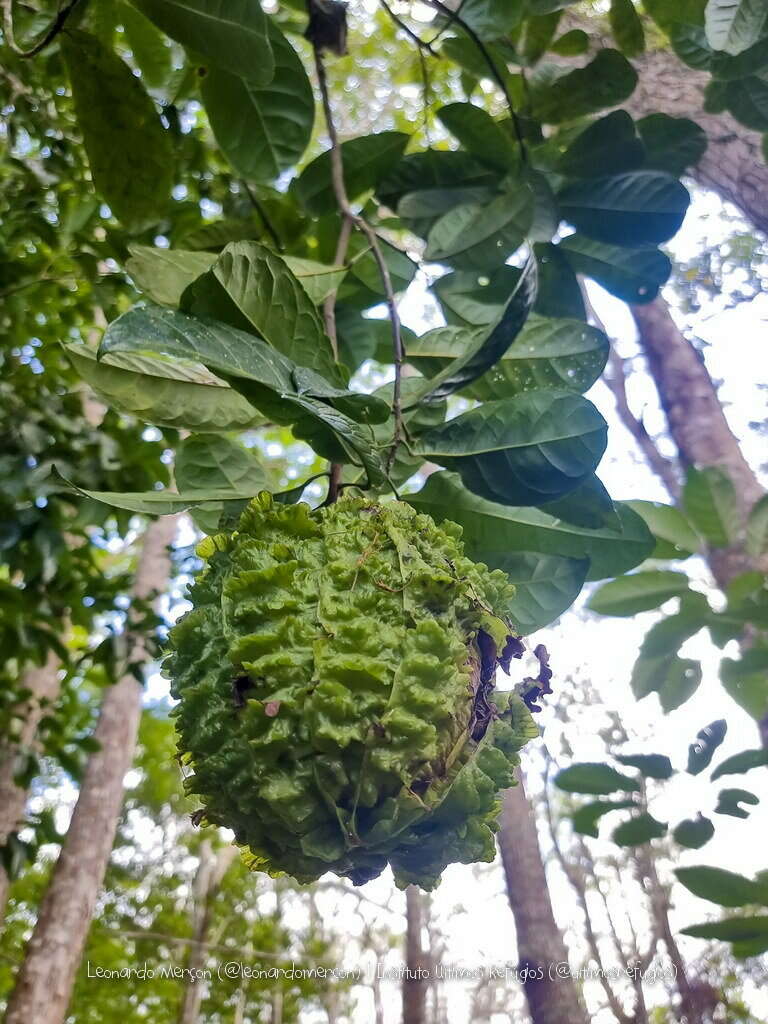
(729, 802)
(702, 750)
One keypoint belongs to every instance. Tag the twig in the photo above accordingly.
(358, 221)
(498, 77)
(259, 207)
(422, 44)
(329, 303)
(48, 36)
(444, 28)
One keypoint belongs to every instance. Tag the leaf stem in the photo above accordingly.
(263, 215)
(496, 74)
(421, 43)
(358, 221)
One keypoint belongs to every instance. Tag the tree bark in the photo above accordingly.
(414, 985)
(46, 977)
(210, 874)
(551, 999)
(43, 684)
(733, 165)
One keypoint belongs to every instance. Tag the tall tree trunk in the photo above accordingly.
(414, 985)
(46, 977)
(733, 165)
(43, 684)
(551, 999)
(210, 874)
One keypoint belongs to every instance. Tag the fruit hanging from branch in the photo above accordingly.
(335, 681)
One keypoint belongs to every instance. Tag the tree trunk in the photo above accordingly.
(43, 684)
(733, 165)
(210, 874)
(414, 983)
(46, 977)
(551, 999)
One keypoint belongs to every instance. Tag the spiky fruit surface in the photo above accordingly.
(334, 679)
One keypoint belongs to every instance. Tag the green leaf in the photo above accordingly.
(639, 592)
(158, 503)
(205, 462)
(749, 935)
(504, 222)
(709, 501)
(269, 298)
(167, 393)
(559, 292)
(232, 35)
(526, 450)
(757, 528)
(634, 275)
(319, 280)
(274, 121)
(594, 777)
(367, 161)
(639, 208)
(480, 135)
(605, 82)
(571, 44)
(362, 286)
(470, 298)
(672, 144)
(702, 750)
(492, 19)
(729, 800)
(652, 766)
(149, 47)
(539, 32)
(164, 274)
(558, 353)
(487, 345)
(747, 100)
(675, 679)
(284, 392)
(668, 635)
(493, 532)
(589, 505)
(734, 25)
(639, 829)
(746, 680)
(694, 832)
(546, 586)
(668, 524)
(129, 152)
(739, 764)
(608, 146)
(725, 888)
(627, 27)
(585, 819)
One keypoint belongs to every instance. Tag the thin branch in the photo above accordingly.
(264, 216)
(345, 208)
(497, 75)
(421, 43)
(48, 36)
(450, 20)
(329, 303)
(661, 466)
(616, 383)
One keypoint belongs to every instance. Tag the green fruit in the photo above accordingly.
(333, 680)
